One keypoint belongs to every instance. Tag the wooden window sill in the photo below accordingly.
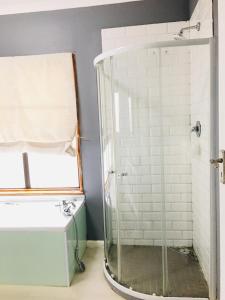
(39, 192)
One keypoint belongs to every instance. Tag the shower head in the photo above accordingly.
(180, 35)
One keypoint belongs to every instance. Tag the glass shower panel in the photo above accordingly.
(108, 165)
(137, 126)
(185, 99)
(156, 172)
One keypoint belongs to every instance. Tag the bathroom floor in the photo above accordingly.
(88, 285)
(184, 273)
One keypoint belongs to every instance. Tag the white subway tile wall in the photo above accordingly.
(200, 110)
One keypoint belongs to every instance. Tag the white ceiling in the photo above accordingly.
(24, 6)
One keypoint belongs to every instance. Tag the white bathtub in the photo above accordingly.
(17, 215)
(37, 240)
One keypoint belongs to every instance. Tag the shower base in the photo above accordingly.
(141, 271)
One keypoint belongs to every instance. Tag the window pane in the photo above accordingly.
(11, 171)
(53, 171)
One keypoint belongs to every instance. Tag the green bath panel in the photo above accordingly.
(41, 257)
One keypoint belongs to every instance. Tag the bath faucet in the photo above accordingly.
(68, 207)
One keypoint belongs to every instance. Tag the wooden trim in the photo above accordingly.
(79, 162)
(52, 191)
(36, 192)
(79, 165)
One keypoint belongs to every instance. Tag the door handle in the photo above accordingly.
(111, 172)
(219, 163)
(216, 162)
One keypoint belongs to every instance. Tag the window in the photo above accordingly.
(53, 171)
(11, 171)
(43, 107)
(39, 173)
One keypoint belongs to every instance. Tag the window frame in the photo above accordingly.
(28, 190)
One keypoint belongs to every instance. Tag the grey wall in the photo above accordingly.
(79, 31)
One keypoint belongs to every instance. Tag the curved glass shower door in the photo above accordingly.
(156, 204)
(137, 123)
(108, 167)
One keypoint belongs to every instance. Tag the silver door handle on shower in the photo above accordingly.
(111, 172)
(123, 174)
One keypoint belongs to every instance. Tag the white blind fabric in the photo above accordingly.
(38, 104)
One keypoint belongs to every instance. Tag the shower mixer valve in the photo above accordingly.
(197, 128)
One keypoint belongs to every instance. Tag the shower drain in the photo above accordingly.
(185, 251)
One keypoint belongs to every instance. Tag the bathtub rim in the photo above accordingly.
(39, 198)
(81, 201)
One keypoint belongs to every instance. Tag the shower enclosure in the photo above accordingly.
(156, 174)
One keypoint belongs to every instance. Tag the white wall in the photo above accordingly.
(25, 6)
(123, 36)
(200, 111)
(203, 14)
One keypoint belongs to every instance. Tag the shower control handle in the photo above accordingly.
(197, 128)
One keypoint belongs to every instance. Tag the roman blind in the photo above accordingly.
(38, 104)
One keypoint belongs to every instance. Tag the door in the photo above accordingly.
(108, 166)
(139, 180)
(219, 6)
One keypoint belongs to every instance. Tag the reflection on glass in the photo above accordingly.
(107, 156)
(130, 114)
(117, 112)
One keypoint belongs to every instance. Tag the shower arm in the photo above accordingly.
(197, 27)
